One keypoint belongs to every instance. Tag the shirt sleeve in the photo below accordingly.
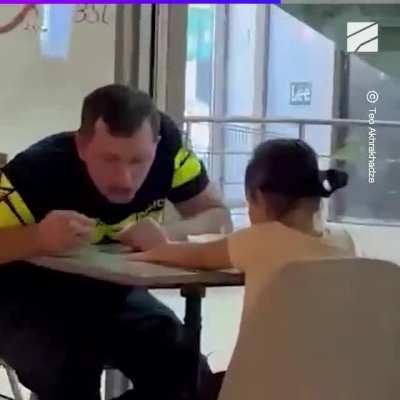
(14, 210)
(189, 177)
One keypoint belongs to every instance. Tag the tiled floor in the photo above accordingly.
(222, 309)
(221, 315)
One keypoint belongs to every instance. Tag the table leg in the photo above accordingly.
(193, 295)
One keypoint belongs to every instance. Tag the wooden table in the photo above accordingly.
(108, 263)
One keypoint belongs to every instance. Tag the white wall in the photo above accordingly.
(38, 96)
(297, 53)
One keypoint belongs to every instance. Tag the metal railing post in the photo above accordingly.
(302, 131)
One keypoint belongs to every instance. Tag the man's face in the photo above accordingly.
(118, 166)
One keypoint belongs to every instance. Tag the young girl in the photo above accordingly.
(284, 188)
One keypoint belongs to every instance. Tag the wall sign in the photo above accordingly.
(300, 93)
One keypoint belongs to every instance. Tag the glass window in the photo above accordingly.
(374, 164)
(199, 60)
(199, 75)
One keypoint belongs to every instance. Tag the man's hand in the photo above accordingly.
(62, 231)
(143, 236)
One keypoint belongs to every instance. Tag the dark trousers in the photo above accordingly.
(58, 331)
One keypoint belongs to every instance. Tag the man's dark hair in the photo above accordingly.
(123, 110)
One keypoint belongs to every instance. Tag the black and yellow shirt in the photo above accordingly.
(50, 176)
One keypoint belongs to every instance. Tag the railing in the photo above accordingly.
(300, 122)
(217, 153)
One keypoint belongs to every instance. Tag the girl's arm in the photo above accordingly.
(210, 255)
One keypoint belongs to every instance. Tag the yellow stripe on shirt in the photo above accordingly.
(155, 211)
(13, 210)
(187, 167)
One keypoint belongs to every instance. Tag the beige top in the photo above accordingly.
(260, 251)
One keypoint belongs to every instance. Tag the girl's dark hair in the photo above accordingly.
(289, 167)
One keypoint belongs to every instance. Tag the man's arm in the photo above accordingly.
(196, 201)
(21, 237)
(22, 234)
(18, 233)
(59, 231)
(203, 213)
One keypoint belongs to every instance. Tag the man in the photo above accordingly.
(99, 184)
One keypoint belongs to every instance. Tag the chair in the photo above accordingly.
(321, 330)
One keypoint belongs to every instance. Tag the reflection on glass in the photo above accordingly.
(199, 61)
(56, 30)
(199, 73)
